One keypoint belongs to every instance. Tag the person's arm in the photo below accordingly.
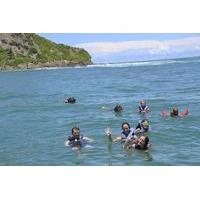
(184, 113)
(135, 137)
(132, 138)
(67, 143)
(108, 132)
(147, 109)
(138, 128)
(117, 139)
(127, 142)
(88, 139)
(106, 108)
(139, 110)
(164, 113)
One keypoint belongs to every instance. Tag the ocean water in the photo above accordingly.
(35, 121)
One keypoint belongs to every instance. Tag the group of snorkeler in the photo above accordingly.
(142, 109)
(132, 138)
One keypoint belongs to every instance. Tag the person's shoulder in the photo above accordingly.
(70, 138)
(132, 130)
(138, 125)
(82, 137)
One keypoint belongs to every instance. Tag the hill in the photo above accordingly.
(29, 50)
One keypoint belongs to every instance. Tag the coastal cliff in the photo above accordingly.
(29, 50)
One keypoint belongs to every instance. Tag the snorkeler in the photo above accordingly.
(118, 108)
(76, 139)
(70, 100)
(175, 113)
(143, 108)
(126, 132)
(141, 143)
(143, 127)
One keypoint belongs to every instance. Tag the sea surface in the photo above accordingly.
(35, 122)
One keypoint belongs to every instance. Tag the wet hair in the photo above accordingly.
(174, 112)
(118, 108)
(70, 100)
(75, 128)
(142, 101)
(126, 124)
(146, 142)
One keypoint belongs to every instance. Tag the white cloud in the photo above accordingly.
(151, 46)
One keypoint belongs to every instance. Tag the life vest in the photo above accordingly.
(143, 108)
(74, 142)
(124, 135)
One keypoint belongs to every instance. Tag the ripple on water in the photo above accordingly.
(35, 121)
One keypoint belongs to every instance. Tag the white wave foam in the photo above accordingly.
(144, 63)
(52, 68)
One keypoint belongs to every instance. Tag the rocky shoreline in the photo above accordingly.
(25, 66)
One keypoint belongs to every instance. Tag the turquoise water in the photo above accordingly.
(35, 122)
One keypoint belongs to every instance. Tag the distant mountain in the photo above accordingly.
(29, 50)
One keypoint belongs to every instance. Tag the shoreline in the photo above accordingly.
(71, 64)
(57, 64)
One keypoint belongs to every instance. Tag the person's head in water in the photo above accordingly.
(143, 141)
(126, 127)
(118, 108)
(70, 100)
(76, 132)
(145, 124)
(142, 102)
(174, 112)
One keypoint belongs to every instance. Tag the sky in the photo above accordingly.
(127, 47)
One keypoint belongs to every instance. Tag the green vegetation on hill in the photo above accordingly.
(28, 48)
